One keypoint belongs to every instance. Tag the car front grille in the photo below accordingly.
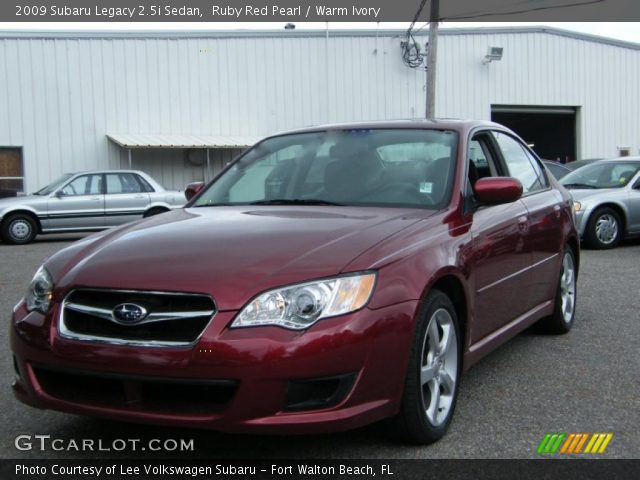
(148, 394)
(169, 319)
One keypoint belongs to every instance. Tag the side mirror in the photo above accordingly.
(58, 194)
(497, 190)
(192, 189)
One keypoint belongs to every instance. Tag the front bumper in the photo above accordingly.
(260, 365)
(581, 221)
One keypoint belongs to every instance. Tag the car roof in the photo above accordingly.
(556, 164)
(85, 172)
(618, 160)
(419, 123)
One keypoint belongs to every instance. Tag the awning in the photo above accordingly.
(135, 140)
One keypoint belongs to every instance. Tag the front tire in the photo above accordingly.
(19, 229)
(564, 310)
(604, 229)
(431, 386)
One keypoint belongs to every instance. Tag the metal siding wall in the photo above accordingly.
(548, 70)
(59, 97)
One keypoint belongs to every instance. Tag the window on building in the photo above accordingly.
(11, 171)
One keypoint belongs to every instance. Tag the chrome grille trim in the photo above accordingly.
(153, 317)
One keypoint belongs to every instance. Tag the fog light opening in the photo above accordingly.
(316, 393)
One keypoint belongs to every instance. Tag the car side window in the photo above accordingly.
(518, 164)
(146, 187)
(83, 185)
(123, 183)
(482, 161)
(538, 168)
(480, 157)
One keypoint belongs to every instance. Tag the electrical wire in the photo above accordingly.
(480, 14)
(412, 55)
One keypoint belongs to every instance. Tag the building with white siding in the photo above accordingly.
(179, 105)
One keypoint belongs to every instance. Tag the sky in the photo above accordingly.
(628, 31)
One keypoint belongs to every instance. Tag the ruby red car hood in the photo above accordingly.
(231, 253)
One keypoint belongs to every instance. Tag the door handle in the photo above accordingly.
(523, 224)
(96, 198)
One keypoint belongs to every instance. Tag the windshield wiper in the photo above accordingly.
(578, 185)
(295, 201)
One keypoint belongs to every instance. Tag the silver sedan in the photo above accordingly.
(606, 197)
(86, 201)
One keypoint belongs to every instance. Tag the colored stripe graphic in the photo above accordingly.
(570, 439)
(573, 443)
(598, 443)
(607, 439)
(581, 443)
(551, 442)
(543, 443)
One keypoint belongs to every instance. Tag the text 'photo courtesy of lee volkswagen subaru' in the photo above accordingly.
(328, 278)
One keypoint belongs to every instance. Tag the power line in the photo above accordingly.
(481, 14)
(412, 55)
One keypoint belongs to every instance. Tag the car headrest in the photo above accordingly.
(346, 150)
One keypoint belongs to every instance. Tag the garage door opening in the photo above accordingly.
(551, 130)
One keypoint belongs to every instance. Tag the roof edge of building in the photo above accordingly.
(177, 34)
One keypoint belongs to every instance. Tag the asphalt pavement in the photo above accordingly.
(586, 381)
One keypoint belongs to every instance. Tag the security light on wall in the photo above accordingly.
(493, 53)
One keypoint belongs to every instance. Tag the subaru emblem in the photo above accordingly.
(129, 313)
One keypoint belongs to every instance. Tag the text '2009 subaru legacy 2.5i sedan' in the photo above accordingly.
(328, 278)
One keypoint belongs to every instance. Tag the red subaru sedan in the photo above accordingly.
(328, 278)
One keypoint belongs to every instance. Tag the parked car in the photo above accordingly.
(329, 278)
(86, 201)
(580, 163)
(607, 200)
(558, 170)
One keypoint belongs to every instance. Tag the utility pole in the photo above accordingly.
(432, 51)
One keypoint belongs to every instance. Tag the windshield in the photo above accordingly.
(602, 175)
(392, 167)
(54, 185)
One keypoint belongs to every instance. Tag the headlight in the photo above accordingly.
(299, 306)
(40, 289)
(577, 206)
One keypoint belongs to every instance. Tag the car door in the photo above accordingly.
(126, 198)
(498, 244)
(547, 214)
(77, 205)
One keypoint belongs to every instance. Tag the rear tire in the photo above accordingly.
(564, 309)
(433, 374)
(604, 229)
(154, 211)
(19, 229)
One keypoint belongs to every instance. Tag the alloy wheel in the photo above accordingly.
(439, 367)
(568, 287)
